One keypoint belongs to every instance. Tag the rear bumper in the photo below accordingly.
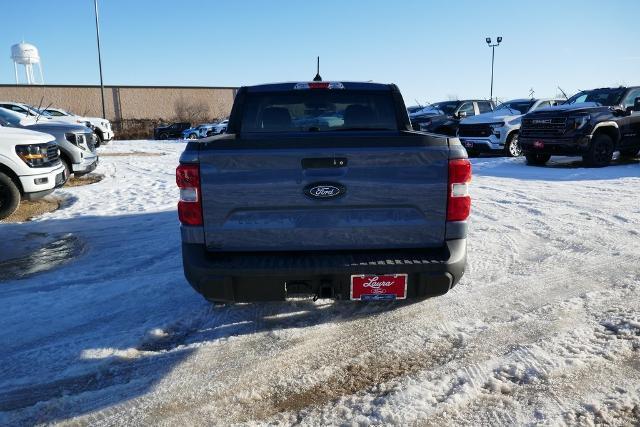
(269, 276)
(558, 146)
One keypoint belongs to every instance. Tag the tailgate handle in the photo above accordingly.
(324, 163)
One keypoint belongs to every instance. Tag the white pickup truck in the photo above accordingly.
(101, 127)
(30, 167)
(498, 131)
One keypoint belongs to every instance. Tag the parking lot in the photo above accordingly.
(543, 328)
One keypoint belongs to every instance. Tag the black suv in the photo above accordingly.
(592, 123)
(444, 117)
(173, 130)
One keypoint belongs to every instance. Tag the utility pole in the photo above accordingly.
(95, 8)
(493, 55)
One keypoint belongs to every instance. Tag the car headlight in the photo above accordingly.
(580, 121)
(33, 155)
(78, 139)
(495, 128)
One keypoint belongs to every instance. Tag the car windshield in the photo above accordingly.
(520, 106)
(10, 117)
(606, 97)
(447, 107)
(36, 111)
(318, 111)
(57, 113)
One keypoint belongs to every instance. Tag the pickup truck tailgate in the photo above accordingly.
(393, 195)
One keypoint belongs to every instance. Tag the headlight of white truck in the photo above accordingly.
(34, 155)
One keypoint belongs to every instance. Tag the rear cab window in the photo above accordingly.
(318, 110)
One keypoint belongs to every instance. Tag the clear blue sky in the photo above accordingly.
(432, 49)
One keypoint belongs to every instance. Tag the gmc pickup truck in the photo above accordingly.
(592, 123)
(322, 189)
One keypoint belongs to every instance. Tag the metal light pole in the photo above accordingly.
(95, 8)
(493, 55)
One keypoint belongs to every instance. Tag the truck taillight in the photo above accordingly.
(458, 199)
(190, 204)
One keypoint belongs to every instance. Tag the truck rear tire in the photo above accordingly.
(600, 151)
(537, 159)
(9, 196)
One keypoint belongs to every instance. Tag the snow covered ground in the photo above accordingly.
(543, 329)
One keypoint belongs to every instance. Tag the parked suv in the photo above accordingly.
(497, 131)
(30, 167)
(173, 130)
(323, 189)
(592, 123)
(218, 128)
(76, 142)
(200, 131)
(444, 117)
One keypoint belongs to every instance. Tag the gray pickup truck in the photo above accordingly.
(322, 189)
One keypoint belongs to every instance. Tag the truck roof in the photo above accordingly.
(287, 86)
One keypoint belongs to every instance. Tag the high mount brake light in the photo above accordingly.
(319, 85)
(190, 204)
(458, 199)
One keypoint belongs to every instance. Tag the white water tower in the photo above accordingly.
(26, 54)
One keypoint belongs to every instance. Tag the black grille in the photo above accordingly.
(554, 126)
(52, 152)
(474, 130)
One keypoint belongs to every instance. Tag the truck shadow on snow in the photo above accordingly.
(106, 326)
(557, 169)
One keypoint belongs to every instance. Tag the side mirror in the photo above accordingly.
(619, 110)
(462, 114)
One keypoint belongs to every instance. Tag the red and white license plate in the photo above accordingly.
(372, 287)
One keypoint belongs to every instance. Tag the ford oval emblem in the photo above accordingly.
(324, 190)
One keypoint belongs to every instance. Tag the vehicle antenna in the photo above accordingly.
(563, 93)
(39, 105)
(531, 93)
(317, 78)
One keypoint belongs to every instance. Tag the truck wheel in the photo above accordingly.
(512, 147)
(537, 159)
(600, 151)
(164, 135)
(68, 171)
(629, 152)
(193, 136)
(9, 196)
(99, 140)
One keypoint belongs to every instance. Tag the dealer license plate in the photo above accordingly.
(373, 287)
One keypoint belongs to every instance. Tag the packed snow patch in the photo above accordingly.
(543, 329)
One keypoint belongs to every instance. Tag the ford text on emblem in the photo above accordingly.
(324, 190)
